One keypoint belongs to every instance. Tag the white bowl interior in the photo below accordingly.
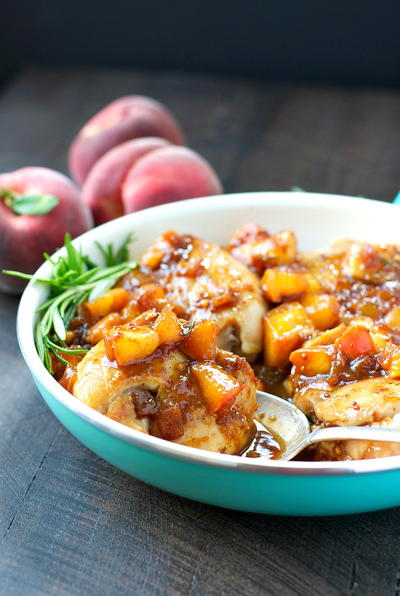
(317, 219)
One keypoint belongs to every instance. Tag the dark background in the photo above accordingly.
(309, 40)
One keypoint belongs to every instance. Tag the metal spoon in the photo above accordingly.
(287, 423)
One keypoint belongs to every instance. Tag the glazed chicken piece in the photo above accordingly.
(257, 249)
(349, 262)
(155, 386)
(371, 263)
(350, 376)
(373, 402)
(204, 282)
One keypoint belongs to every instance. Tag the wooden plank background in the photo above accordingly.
(71, 523)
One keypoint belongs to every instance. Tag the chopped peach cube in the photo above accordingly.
(277, 284)
(379, 333)
(128, 345)
(150, 296)
(113, 300)
(322, 309)
(69, 337)
(325, 338)
(362, 262)
(285, 328)
(355, 342)
(394, 369)
(314, 285)
(68, 379)
(218, 387)
(392, 318)
(145, 319)
(311, 361)
(96, 333)
(130, 311)
(389, 359)
(168, 327)
(285, 246)
(379, 339)
(201, 342)
(153, 256)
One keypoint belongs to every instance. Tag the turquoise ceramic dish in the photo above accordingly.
(288, 488)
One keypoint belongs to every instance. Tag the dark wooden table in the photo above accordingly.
(73, 524)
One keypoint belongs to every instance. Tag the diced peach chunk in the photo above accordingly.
(392, 318)
(325, 338)
(68, 378)
(362, 262)
(130, 311)
(379, 333)
(96, 333)
(379, 339)
(394, 369)
(355, 342)
(249, 232)
(389, 359)
(369, 308)
(311, 361)
(201, 342)
(218, 387)
(167, 326)
(113, 300)
(277, 284)
(152, 257)
(286, 246)
(151, 296)
(128, 345)
(144, 319)
(285, 328)
(69, 337)
(322, 309)
(314, 285)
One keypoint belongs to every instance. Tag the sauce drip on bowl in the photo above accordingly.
(264, 444)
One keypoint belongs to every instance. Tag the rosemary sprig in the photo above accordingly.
(112, 256)
(74, 279)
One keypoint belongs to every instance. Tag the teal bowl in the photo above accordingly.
(284, 488)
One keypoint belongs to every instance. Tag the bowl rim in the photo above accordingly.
(27, 313)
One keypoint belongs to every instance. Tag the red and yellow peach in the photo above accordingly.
(122, 120)
(24, 238)
(102, 187)
(166, 175)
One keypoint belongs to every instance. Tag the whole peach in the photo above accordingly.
(24, 238)
(102, 187)
(122, 120)
(166, 175)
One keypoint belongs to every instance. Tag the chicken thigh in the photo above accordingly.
(203, 281)
(373, 402)
(207, 404)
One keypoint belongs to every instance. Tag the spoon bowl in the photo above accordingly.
(291, 427)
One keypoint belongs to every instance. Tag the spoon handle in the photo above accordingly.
(367, 433)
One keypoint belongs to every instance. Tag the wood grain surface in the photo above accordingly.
(71, 523)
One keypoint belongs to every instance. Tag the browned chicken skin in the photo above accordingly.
(159, 395)
(373, 402)
(258, 250)
(203, 281)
